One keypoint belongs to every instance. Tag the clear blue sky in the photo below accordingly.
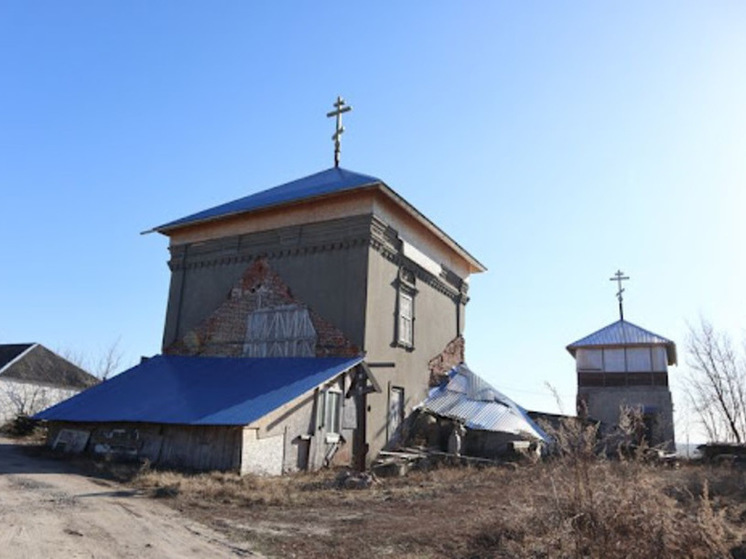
(556, 141)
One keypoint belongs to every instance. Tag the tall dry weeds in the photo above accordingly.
(575, 505)
(580, 505)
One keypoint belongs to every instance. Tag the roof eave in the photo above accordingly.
(18, 357)
(476, 265)
(169, 228)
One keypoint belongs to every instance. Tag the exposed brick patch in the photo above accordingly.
(223, 333)
(452, 355)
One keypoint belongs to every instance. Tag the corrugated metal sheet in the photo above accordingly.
(332, 180)
(623, 333)
(199, 390)
(470, 399)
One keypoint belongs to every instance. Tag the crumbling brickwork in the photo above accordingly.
(223, 334)
(452, 355)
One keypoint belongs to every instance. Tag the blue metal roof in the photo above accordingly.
(624, 333)
(329, 181)
(469, 398)
(199, 390)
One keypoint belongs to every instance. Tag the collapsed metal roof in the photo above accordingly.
(200, 390)
(623, 333)
(470, 399)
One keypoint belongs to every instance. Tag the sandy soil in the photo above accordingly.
(49, 511)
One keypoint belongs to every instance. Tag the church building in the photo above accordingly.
(623, 366)
(334, 265)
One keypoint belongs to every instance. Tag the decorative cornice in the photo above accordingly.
(421, 274)
(207, 260)
(361, 231)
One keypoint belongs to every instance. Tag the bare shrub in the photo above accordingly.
(716, 383)
(23, 426)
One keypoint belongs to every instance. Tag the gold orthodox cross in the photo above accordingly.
(619, 277)
(340, 108)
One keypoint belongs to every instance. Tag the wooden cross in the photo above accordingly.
(619, 277)
(340, 108)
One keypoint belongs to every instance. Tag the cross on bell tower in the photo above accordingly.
(619, 277)
(340, 109)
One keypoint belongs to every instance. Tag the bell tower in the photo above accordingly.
(625, 366)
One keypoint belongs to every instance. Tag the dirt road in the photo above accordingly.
(48, 511)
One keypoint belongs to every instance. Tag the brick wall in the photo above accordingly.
(223, 333)
(441, 364)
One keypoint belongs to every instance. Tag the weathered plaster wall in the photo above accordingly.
(323, 264)
(263, 456)
(28, 398)
(436, 323)
(304, 438)
(604, 404)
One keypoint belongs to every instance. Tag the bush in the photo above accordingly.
(23, 426)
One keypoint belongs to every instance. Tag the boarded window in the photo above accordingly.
(590, 360)
(406, 319)
(280, 332)
(639, 360)
(396, 410)
(614, 360)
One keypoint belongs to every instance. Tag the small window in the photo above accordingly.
(590, 360)
(615, 361)
(332, 415)
(660, 361)
(330, 410)
(639, 360)
(406, 319)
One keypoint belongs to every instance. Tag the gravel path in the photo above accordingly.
(48, 511)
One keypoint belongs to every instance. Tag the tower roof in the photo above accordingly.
(624, 334)
(327, 183)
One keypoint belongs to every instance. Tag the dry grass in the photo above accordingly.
(564, 508)
(575, 505)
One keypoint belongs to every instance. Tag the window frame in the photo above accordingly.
(333, 411)
(405, 323)
(329, 412)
